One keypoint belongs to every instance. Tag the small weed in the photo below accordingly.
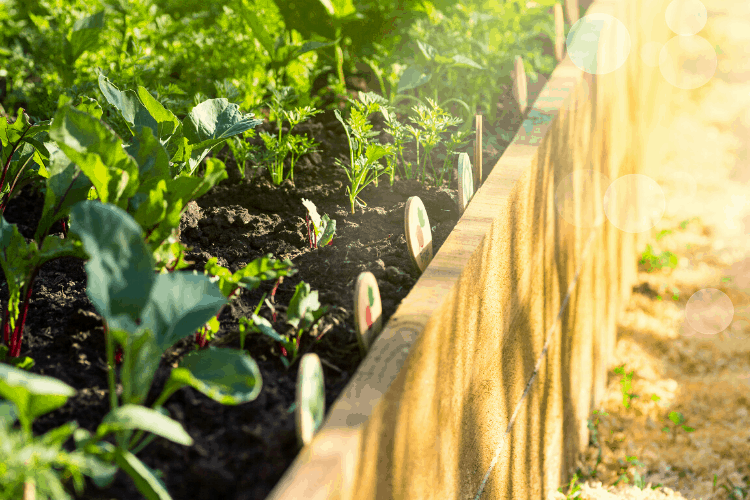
(574, 489)
(626, 385)
(678, 422)
(638, 480)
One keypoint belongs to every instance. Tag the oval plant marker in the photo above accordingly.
(559, 32)
(417, 232)
(519, 85)
(310, 407)
(368, 310)
(465, 182)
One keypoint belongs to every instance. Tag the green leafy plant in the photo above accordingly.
(625, 465)
(39, 462)
(283, 145)
(147, 313)
(364, 154)
(574, 489)
(656, 262)
(323, 228)
(626, 384)
(20, 149)
(429, 63)
(249, 277)
(433, 122)
(303, 312)
(243, 151)
(676, 421)
(401, 137)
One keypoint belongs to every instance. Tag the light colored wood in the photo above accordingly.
(368, 310)
(418, 233)
(29, 490)
(478, 152)
(571, 9)
(427, 414)
(465, 182)
(520, 90)
(311, 398)
(559, 33)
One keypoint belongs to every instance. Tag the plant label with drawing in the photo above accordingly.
(465, 182)
(368, 310)
(559, 32)
(418, 233)
(310, 408)
(520, 92)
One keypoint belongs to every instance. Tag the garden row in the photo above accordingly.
(179, 241)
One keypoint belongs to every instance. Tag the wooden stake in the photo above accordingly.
(478, 152)
(559, 33)
(571, 6)
(520, 91)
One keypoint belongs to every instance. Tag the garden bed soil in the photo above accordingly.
(241, 452)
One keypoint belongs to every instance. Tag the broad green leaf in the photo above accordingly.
(228, 376)
(413, 77)
(262, 325)
(166, 122)
(8, 413)
(460, 60)
(328, 232)
(33, 395)
(150, 155)
(151, 207)
(17, 259)
(180, 303)
(84, 37)
(131, 108)
(120, 268)
(66, 186)
(211, 123)
(128, 416)
(263, 268)
(145, 480)
(303, 304)
(97, 150)
(339, 9)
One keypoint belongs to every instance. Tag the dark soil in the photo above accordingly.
(240, 452)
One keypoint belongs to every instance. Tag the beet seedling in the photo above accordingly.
(323, 228)
(303, 312)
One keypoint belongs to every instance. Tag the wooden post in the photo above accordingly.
(571, 7)
(478, 152)
(520, 91)
(559, 33)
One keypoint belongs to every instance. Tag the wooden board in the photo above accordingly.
(478, 152)
(465, 182)
(559, 33)
(520, 91)
(418, 233)
(571, 9)
(311, 398)
(368, 310)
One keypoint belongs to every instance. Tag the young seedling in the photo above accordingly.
(625, 465)
(626, 385)
(303, 312)
(283, 145)
(244, 151)
(399, 133)
(323, 228)
(364, 154)
(677, 421)
(574, 489)
(230, 284)
(432, 122)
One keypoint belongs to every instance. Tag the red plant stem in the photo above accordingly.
(309, 237)
(17, 338)
(7, 165)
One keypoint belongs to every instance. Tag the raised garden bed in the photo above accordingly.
(242, 451)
